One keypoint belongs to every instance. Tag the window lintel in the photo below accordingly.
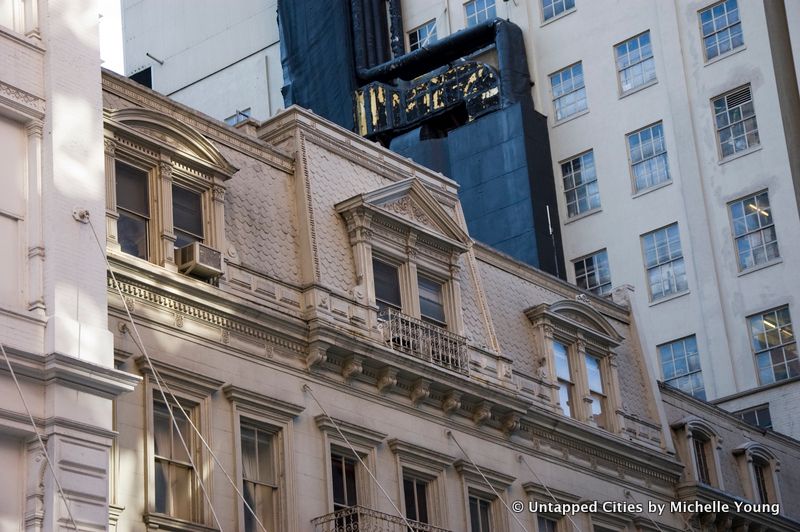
(499, 481)
(420, 457)
(249, 402)
(356, 434)
(573, 318)
(179, 379)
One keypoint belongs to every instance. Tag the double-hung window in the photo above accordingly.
(648, 154)
(663, 257)
(480, 513)
(580, 184)
(680, 365)
(553, 8)
(415, 495)
(478, 11)
(569, 91)
(564, 375)
(175, 482)
(387, 286)
(258, 476)
(133, 206)
(754, 231)
(774, 345)
(422, 36)
(594, 379)
(593, 273)
(758, 417)
(431, 304)
(735, 120)
(635, 64)
(721, 28)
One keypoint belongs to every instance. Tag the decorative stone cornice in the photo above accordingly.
(254, 403)
(356, 434)
(21, 100)
(420, 456)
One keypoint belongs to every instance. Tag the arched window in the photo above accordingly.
(699, 448)
(759, 467)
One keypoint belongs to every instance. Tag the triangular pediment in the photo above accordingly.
(410, 202)
(171, 132)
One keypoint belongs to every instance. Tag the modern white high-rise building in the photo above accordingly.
(673, 129)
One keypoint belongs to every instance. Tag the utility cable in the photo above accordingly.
(84, 217)
(478, 469)
(38, 437)
(308, 389)
(540, 481)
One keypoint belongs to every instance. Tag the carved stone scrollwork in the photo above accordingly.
(482, 413)
(420, 390)
(316, 356)
(225, 336)
(179, 321)
(218, 193)
(548, 331)
(165, 169)
(510, 423)
(34, 128)
(451, 402)
(110, 147)
(352, 367)
(583, 298)
(387, 379)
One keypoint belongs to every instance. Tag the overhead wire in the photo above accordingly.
(162, 385)
(39, 437)
(308, 389)
(478, 469)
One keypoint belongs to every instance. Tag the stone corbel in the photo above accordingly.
(317, 355)
(724, 522)
(451, 402)
(420, 390)
(482, 413)
(352, 367)
(510, 423)
(387, 380)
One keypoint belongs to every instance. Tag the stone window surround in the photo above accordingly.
(365, 441)
(129, 138)
(539, 493)
(472, 483)
(196, 390)
(746, 454)
(593, 336)
(688, 429)
(427, 465)
(276, 417)
(398, 233)
(26, 18)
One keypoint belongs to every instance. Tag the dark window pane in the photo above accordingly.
(430, 300)
(187, 216)
(132, 190)
(387, 285)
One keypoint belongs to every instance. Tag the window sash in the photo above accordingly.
(569, 91)
(648, 154)
(553, 8)
(580, 184)
(721, 28)
(680, 366)
(422, 36)
(593, 273)
(478, 11)
(635, 62)
(387, 285)
(666, 271)
(416, 499)
(761, 481)
(343, 481)
(735, 120)
(754, 231)
(479, 514)
(431, 302)
(187, 215)
(701, 460)
(774, 345)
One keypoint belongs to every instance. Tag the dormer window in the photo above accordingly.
(576, 343)
(165, 199)
(701, 450)
(700, 446)
(431, 304)
(760, 467)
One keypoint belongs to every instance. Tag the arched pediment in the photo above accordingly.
(696, 425)
(586, 316)
(753, 449)
(179, 136)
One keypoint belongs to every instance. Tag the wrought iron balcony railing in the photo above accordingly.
(425, 341)
(361, 519)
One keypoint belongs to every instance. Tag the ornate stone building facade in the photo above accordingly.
(358, 360)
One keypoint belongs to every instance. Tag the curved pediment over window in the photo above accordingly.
(573, 314)
(756, 450)
(172, 134)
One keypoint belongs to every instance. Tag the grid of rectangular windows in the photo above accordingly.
(569, 92)
(735, 120)
(758, 416)
(479, 10)
(680, 365)
(774, 345)
(754, 231)
(422, 36)
(635, 63)
(593, 273)
(552, 8)
(721, 28)
(648, 153)
(580, 184)
(666, 271)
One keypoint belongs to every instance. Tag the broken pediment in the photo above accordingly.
(409, 204)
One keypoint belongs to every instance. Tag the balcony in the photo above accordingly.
(424, 341)
(361, 519)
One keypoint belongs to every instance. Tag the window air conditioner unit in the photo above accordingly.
(199, 260)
